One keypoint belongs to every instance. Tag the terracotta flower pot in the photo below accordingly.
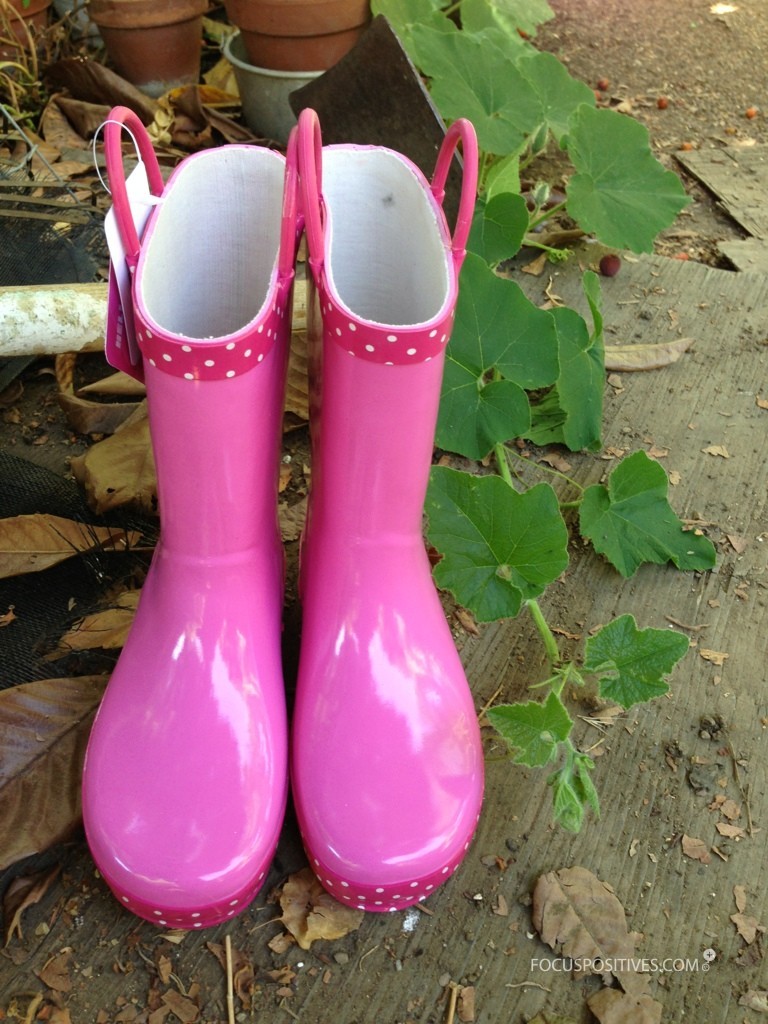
(298, 35)
(154, 45)
(17, 18)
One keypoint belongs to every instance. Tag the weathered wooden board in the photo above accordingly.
(395, 968)
(738, 176)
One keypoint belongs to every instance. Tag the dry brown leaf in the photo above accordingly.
(696, 849)
(730, 809)
(83, 415)
(291, 519)
(281, 943)
(739, 544)
(465, 1007)
(536, 266)
(730, 831)
(23, 892)
(310, 913)
(612, 1006)
(35, 542)
(45, 727)
(740, 897)
(183, 1008)
(243, 979)
(55, 972)
(103, 630)
(716, 657)
(467, 621)
(755, 1000)
(557, 462)
(747, 926)
(120, 470)
(717, 449)
(762, 403)
(115, 384)
(8, 617)
(579, 916)
(645, 357)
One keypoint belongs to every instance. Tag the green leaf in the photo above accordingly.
(567, 805)
(590, 282)
(559, 93)
(405, 15)
(503, 175)
(630, 521)
(532, 730)
(499, 227)
(509, 15)
(472, 76)
(583, 784)
(499, 547)
(632, 662)
(620, 191)
(498, 332)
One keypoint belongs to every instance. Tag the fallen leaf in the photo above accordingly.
(755, 1000)
(465, 1007)
(740, 898)
(35, 542)
(645, 357)
(717, 449)
(674, 477)
(730, 809)
(184, 1008)
(557, 462)
(83, 415)
(579, 916)
(467, 620)
(739, 544)
(23, 892)
(121, 469)
(747, 927)
(310, 913)
(55, 972)
(281, 943)
(655, 452)
(731, 831)
(103, 630)
(762, 403)
(536, 267)
(291, 519)
(696, 849)
(115, 384)
(750, 955)
(46, 725)
(243, 978)
(716, 657)
(611, 1006)
(7, 618)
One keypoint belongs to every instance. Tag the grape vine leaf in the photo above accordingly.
(498, 227)
(631, 663)
(532, 730)
(501, 344)
(631, 521)
(405, 15)
(500, 547)
(572, 412)
(473, 76)
(509, 15)
(560, 95)
(503, 175)
(620, 191)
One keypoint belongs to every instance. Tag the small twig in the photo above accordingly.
(451, 1014)
(360, 961)
(527, 984)
(284, 1006)
(490, 701)
(684, 625)
(230, 981)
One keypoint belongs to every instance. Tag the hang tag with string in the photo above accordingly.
(121, 346)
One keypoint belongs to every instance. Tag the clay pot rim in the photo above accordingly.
(129, 14)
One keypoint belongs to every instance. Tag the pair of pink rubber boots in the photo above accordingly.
(186, 772)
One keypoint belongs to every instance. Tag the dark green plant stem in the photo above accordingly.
(500, 454)
(552, 472)
(550, 644)
(546, 215)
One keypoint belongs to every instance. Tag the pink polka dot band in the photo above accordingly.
(222, 359)
(391, 346)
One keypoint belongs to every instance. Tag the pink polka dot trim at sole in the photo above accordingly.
(385, 897)
(192, 918)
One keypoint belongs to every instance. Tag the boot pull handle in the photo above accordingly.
(291, 224)
(462, 131)
(310, 146)
(119, 118)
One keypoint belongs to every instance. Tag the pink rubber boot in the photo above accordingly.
(185, 776)
(387, 769)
